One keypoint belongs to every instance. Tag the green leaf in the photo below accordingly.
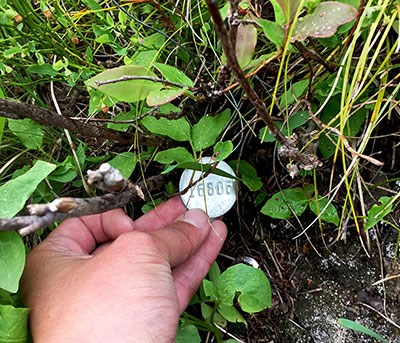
(346, 323)
(250, 283)
(125, 162)
(284, 204)
(280, 17)
(45, 69)
(222, 150)
(12, 261)
(248, 174)
(28, 132)
(173, 74)
(128, 91)
(246, 40)
(214, 273)
(178, 154)
(294, 93)
(273, 31)
(377, 212)
(65, 172)
(324, 21)
(178, 130)
(14, 193)
(231, 314)
(13, 324)
(164, 96)
(330, 215)
(207, 130)
(210, 290)
(187, 333)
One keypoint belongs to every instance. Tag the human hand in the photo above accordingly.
(106, 278)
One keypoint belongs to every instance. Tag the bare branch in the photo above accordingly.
(17, 110)
(42, 215)
(148, 78)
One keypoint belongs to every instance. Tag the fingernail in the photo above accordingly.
(197, 218)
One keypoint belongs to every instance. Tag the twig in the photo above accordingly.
(148, 78)
(17, 110)
(106, 178)
(288, 149)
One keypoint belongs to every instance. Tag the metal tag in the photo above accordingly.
(214, 194)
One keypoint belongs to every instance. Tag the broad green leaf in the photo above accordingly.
(128, 91)
(207, 130)
(349, 324)
(28, 132)
(164, 96)
(187, 333)
(294, 93)
(42, 69)
(173, 74)
(273, 31)
(284, 204)
(248, 174)
(324, 21)
(178, 130)
(178, 154)
(14, 193)
(250, 284)
(12, 261)
(377, 212)
(231, 314)
(125, 162)
(13, 324)
(246, 40)
(330, 215)
(222, 150)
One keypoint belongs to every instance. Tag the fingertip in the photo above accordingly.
(197, 218)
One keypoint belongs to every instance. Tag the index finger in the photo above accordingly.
(84, 234)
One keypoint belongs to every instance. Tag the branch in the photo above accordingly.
(17, 110)
(288, 149)
(106, 178)
(148, 78)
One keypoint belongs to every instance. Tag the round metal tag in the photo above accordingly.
(214, 194)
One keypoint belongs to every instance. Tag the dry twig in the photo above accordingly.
(17, 110)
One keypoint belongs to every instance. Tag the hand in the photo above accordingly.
(106, 278)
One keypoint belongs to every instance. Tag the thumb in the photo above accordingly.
(181, 239)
